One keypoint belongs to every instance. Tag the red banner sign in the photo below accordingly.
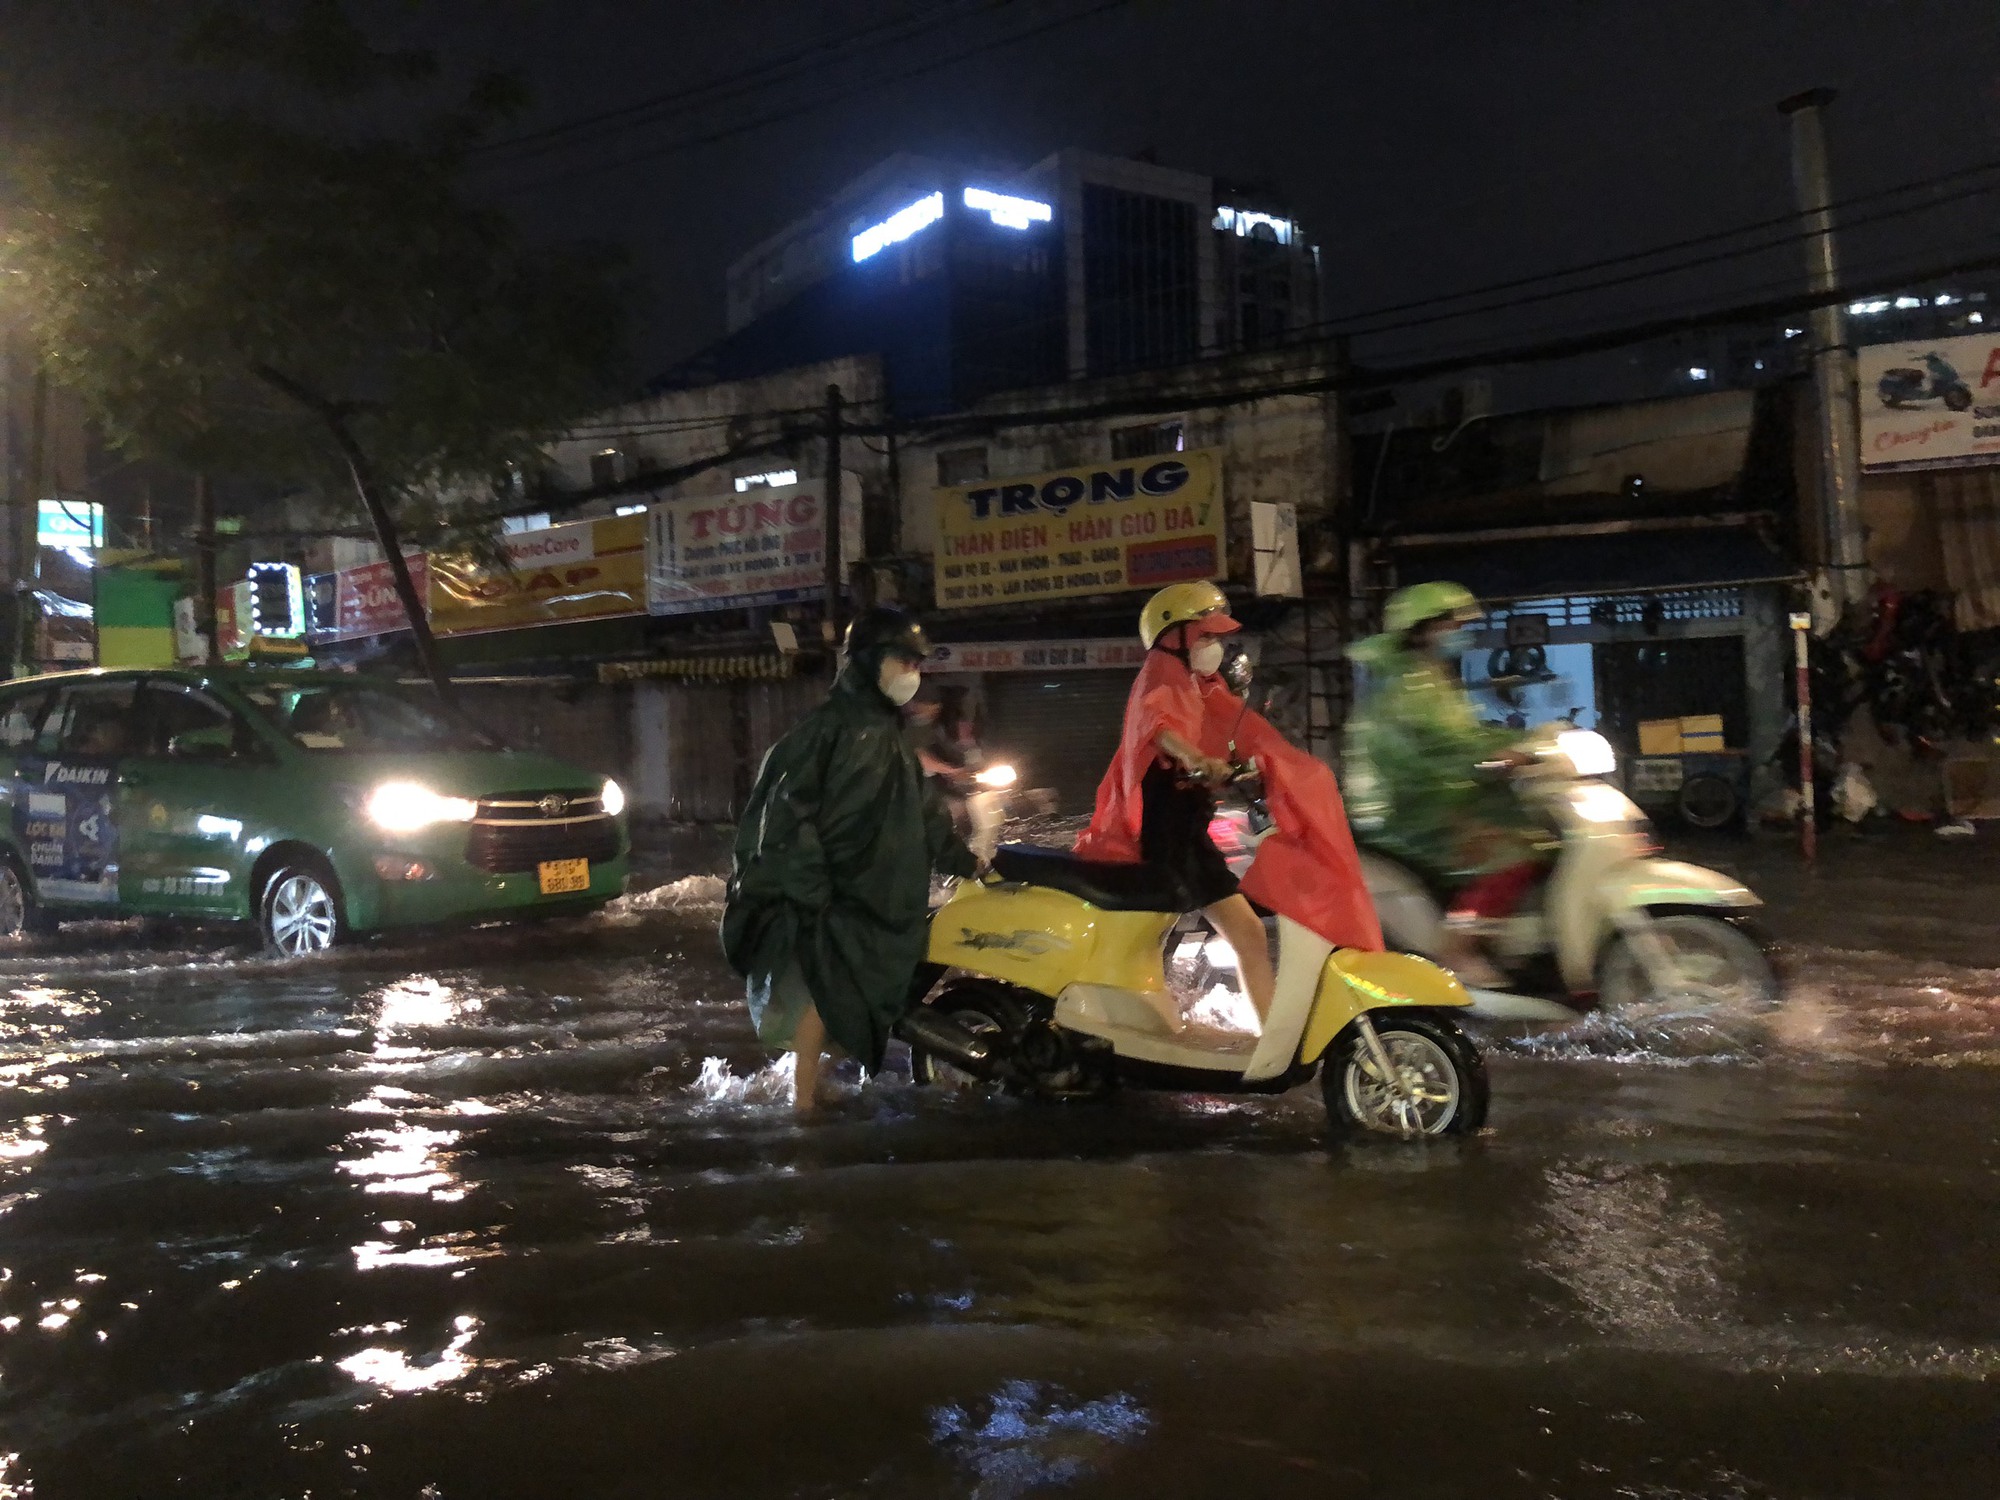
(365, 601)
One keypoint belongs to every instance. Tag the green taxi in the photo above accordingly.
(318, 805)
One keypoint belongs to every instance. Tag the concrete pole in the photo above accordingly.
(1833, 362)
(830, 517)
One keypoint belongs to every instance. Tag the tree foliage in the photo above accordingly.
(235, 287)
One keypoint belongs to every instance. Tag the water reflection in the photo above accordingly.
(405, 1159)
(419, 1001)
(393, 1370)
(1029, 1440)
(1639, 1257)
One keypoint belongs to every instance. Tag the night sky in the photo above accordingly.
(1429, 145)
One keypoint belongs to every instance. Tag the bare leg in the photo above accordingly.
(1237, 921)
(808, 1042)
(1464, 957)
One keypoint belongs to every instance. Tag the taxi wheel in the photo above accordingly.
(21, 916)
(301, 912)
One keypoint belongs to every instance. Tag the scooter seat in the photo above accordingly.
(1114, 887)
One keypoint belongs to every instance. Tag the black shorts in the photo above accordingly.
(1173, 838)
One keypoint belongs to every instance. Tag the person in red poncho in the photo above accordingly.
(1155, 803)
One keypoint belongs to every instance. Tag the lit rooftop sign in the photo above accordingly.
(899, 226)
(69, 523)
(1244, 221)
(1007, 211)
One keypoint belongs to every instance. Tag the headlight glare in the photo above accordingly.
(614, 798)
(1598, 803)
(406, 806)
(1588, 751)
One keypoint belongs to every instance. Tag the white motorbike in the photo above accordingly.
(1611, 926)
(987, 805)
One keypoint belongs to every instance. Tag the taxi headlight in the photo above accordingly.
(405, 806)
(1588, 751)
(614, 798)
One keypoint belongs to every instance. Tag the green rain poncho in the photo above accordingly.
(1410, 775)
(832, 868)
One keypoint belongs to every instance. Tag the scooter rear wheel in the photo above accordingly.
(1440, 1088)
(985, 1012)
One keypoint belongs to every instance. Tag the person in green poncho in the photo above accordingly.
(1425, 779)
(827, 913)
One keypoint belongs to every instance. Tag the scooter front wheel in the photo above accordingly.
(1716, 966)
(1436, 1085)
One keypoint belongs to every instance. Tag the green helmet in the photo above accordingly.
(1428, 601)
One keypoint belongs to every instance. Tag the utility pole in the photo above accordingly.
(830, 515)
(1846, 552)
(1801, 623)
(204, 567)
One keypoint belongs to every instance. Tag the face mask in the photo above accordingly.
(1206, 658)
(1455, 642)
(898, 680)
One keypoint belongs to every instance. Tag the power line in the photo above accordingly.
(1693, 242)
(1352, 325)
(1542, 351)
(642, 112)
(825, 97)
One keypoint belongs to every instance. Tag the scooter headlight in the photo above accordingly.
(998, 776)
(405, 806)
(1595, 802)
(1588, 751)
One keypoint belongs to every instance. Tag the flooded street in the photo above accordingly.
(517, 1214)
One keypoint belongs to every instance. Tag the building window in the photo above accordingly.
(961, 466)
(772, 479)
(515, 525)
(1145, 441)
(1141, 280)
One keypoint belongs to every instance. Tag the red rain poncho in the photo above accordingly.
(1307, 868)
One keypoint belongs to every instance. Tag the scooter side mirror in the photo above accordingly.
(1237, 671)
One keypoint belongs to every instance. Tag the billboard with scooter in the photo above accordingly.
(1932, 404)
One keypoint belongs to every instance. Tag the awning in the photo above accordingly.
(1629, 562)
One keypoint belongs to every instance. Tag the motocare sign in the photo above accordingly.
(584, 570)
(1132, 525)
(765, 545)
(1932, 404)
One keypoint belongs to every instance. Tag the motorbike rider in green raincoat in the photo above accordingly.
(1425, 778)
(827, 914)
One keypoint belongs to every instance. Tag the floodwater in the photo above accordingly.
(521, 1214)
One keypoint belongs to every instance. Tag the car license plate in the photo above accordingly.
(563, 877)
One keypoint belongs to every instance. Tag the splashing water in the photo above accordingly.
(716, 1085)
(690, 893)
(1225, 1009)
(1029, 1441)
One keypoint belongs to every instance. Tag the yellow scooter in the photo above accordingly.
(1055, 983)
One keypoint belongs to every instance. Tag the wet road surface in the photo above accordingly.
(517, 1214)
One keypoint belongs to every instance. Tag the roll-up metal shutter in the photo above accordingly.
(1062, 729)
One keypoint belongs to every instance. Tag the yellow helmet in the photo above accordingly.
(1180, 603)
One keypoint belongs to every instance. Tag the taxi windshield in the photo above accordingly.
(361, 717)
